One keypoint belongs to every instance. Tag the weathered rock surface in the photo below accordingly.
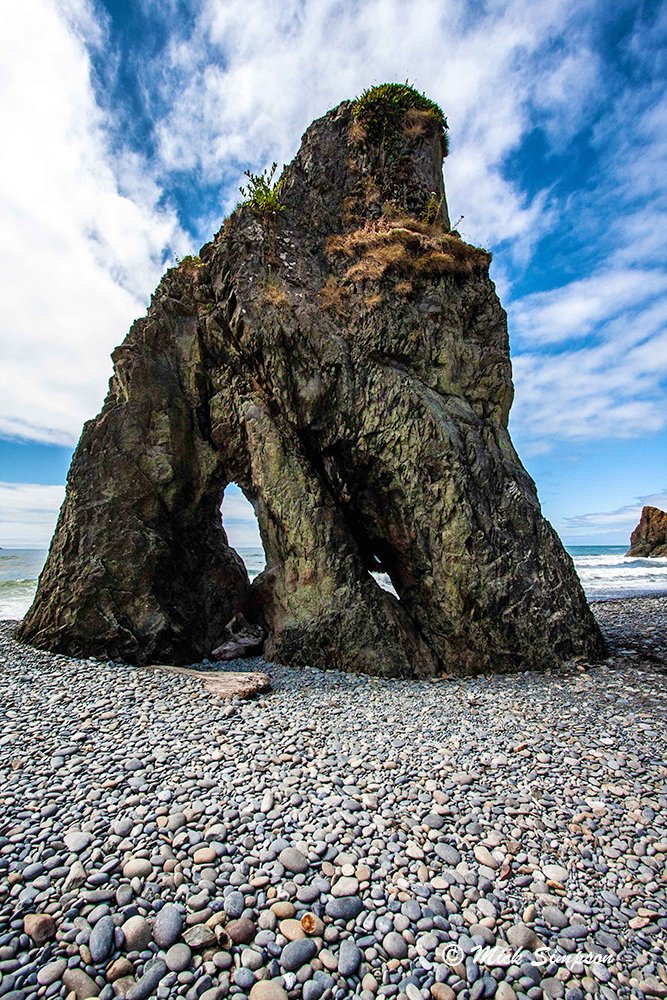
(650, 536)
(347, 364)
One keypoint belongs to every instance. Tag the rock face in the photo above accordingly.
(346, 362)
(650, 536)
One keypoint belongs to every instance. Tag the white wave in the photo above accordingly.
(616, 575)
(16, 598)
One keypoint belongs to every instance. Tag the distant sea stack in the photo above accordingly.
(342, 355)
(650, 536)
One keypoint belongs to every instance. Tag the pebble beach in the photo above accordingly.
(341, 836)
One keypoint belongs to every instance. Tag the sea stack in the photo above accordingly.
(342, 355)
(650, 536)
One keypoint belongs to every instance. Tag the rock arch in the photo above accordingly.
(346, 362)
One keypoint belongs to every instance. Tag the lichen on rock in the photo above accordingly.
(346, 362)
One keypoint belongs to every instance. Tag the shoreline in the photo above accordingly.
(173, 842)
(628, 597)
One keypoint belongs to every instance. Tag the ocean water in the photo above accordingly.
(604, 570)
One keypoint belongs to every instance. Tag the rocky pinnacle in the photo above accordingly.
(649, 538)
(344, 358)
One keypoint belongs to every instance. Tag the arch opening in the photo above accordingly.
(241, 637)
(242, 529)
(376, 555)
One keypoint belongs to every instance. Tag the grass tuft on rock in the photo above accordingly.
(406, 247)
(384, 114)
(333, 296)
(274, 294)
(190, 263)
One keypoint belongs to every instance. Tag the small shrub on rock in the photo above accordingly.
(262, 193)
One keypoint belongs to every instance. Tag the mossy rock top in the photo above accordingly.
(382, 110)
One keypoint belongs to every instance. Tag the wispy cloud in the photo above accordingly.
(591, 353)
(84, 230)
(581, 307)
(245, 82)
(593, 393)
(623, 519)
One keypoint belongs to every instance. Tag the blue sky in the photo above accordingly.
(127, 128)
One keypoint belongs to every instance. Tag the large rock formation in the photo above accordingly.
(650, 536)
(344, 360)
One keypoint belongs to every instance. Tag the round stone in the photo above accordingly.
(349, 958)
(41, 927)
(484, 856)
(395, 945)
(119, 969)
(291, 929)
(346, 908)
(101, 941)
(448, 854)
(137, 933)
(241, 931)
(234, 904)
(76, 841)
(345, 886)
(80, 983)
(294, 861)
(521, 936)
(52, 972)
(440, 991)
(178, 957)
(554, 916)
(137, 868)
(268, 989)
(204, 856)
(552, 988)
(297, 953)
(555, 873)
(244, 978)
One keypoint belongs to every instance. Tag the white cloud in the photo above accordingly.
(83, 232)
(570, 82)
(28, 514)
(592, 393)
(613, 384)
(576, 309)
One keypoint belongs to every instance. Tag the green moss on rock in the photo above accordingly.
(383, 112)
